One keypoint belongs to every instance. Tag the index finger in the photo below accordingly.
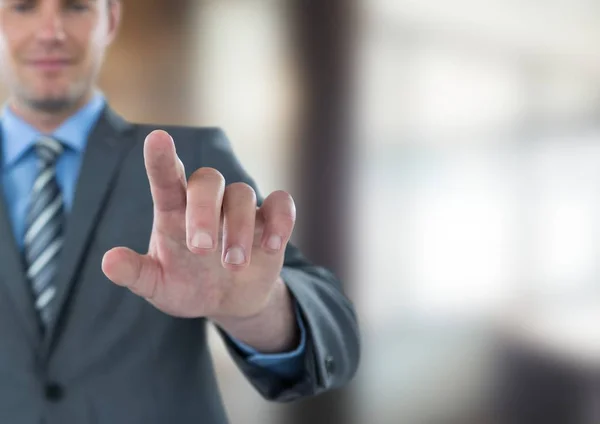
(165, 172)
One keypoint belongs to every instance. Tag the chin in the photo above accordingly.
(52, 101)
(52, 104)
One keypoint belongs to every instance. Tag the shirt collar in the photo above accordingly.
(18, 136)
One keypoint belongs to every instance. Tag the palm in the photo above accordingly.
(191, 286)
(183, 280)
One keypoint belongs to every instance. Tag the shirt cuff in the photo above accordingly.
(286, 364)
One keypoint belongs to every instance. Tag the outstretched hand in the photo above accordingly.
(212, 252)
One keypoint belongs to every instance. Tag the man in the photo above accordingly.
(121, 241)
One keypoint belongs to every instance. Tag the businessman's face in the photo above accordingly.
(51, 50)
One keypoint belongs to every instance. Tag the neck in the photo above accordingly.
(43, 120)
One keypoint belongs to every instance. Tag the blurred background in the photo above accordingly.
(445, 161)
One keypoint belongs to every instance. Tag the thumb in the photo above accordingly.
(126, 268)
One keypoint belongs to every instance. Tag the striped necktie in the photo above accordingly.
(44, 229)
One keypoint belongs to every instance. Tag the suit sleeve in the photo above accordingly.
(332, 350)
(286, 364)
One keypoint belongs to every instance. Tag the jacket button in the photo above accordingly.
(54, 392)
(329, 365)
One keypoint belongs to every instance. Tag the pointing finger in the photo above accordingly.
(165, 173)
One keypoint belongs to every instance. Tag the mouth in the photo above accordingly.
(50, 64)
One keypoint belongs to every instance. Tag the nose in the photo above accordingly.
(51, 27)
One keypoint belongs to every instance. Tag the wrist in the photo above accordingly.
(272, 330)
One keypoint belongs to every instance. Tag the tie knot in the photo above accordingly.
(48, 150)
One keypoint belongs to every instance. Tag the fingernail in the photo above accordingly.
(202, 240)
(274, 242)
(235, 256)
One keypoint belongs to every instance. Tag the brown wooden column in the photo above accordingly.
(323, 34)
(323, 39)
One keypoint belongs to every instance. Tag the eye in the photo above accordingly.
(77, 6)
(22, 6)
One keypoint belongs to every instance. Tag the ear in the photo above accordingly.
(114, 18)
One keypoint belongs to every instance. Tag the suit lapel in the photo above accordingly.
(105, 150)
(12, 276)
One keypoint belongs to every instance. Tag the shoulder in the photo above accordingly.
(205, 138)
(199, 147)
(189, 140)
(212, 136)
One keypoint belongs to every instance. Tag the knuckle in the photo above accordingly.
(202, 215)
(139, 289)
(281, 206)
(208, 174)
(203, 210)
(240, 186)
(282, 195)
(240, 192)
(206, 222)
(240, 227)
(282, 199)
(285, 218)
(281, 223)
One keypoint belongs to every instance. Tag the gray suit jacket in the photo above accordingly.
(110, 357)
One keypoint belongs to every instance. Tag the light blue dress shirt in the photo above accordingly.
(19, 170)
